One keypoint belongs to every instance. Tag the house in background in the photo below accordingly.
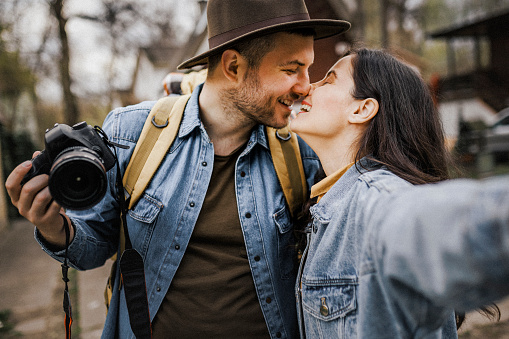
(156, 61)
(478, 93)
(329, 50)
(152, 66)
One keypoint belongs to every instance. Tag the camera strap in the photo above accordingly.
(65, 269)
(133, 275)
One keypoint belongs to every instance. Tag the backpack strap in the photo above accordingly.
(157, 135)
(152, 145)
(285, 151)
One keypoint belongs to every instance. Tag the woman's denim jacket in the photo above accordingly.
(386, 259)
(161, 223)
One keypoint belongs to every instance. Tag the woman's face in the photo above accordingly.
(324, 112)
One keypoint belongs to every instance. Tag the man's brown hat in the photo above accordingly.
(232, 21)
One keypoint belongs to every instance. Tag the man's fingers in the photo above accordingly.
(13, 182)
(34, 197)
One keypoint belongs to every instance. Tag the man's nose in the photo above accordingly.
(302, 86)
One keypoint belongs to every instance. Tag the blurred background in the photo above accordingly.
(67, 61)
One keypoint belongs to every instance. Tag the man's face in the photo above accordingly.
(266, 94)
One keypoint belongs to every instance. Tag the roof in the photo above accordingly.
(491, 24)
(159, 54)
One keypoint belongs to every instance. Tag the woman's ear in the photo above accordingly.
(230, 61)
(366, 111)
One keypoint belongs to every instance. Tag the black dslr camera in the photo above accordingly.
(76, 159)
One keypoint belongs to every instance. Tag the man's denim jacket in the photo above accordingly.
(386, 259)
(161, 223)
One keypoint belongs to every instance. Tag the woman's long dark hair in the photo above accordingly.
(406, 135)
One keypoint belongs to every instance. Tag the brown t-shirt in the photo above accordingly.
(212, 294)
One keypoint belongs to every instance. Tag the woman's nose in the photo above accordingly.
(311, 88)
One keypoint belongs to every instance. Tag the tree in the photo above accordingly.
(46, 52)
(71, 109)
(15, 146)
(127, 25)
(17, 79)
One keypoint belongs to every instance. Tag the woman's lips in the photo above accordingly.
(305, 107)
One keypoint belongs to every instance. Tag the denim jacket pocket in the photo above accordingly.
(146, 209)
(141, 222)
(329, 300)
(286, 249)
(329, 308)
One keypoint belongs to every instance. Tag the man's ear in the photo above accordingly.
(366, 111)
(230, 61)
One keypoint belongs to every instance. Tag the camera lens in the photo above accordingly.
(77, 178)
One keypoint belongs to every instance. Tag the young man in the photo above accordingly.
(213, 226)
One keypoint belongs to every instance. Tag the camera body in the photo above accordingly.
(76, 159)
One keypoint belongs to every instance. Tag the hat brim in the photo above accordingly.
(323, 28)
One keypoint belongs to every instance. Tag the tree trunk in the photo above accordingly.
(71, 113)
(361, 21)
(384, 22)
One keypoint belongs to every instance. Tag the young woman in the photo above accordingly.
(387, 257)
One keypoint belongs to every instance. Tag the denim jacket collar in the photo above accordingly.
(258, 136)
(326, 208)
(191, 118)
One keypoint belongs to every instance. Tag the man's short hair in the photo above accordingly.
(255, 49)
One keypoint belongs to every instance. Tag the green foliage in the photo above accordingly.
(16, 78)
(5, 325)
(440, 14)
(16, 148)
(434, 14)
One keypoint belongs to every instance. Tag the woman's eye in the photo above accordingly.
(327, 81)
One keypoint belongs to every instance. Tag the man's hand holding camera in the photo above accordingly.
(35, 202)
(70, 173)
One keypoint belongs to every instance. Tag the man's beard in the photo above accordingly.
(252, 103)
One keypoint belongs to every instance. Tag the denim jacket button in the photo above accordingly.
(248, 215)
(257, 258)
(278, 335)
(191, 204)
(243, 174)
(324, 309)
(268, 300)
